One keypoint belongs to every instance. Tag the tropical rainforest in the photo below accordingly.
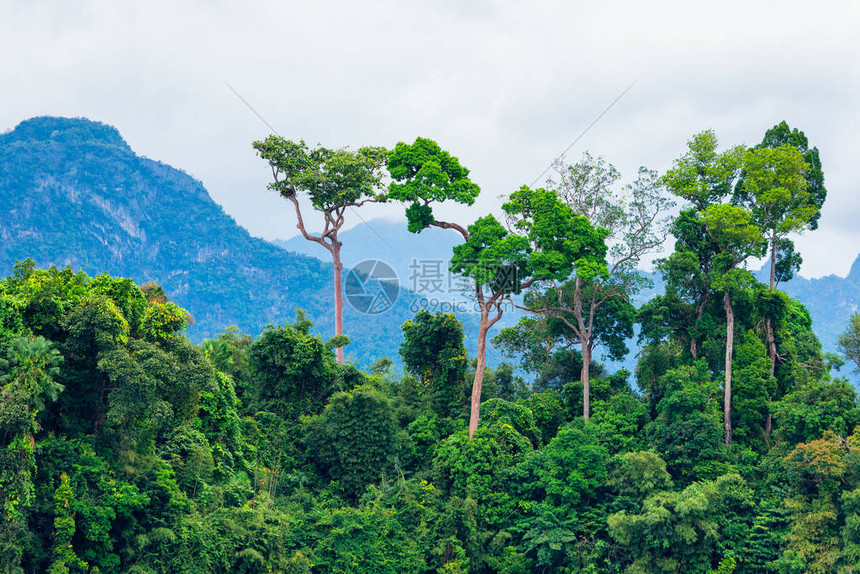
(732, 447)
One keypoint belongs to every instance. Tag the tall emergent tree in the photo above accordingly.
(423, 175)
(783, 185)
(335, 181)
(731, 228)
(496, 261)
(544, 242)
(705, 178)
(595, 303)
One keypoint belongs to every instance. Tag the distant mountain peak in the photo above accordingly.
(854, 274)
(76, 194)
(65, 130)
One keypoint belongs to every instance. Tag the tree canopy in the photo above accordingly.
(126, 448)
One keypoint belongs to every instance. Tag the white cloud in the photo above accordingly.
(503, 85)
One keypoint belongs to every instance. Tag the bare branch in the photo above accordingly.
(454, 226)
(301, 225)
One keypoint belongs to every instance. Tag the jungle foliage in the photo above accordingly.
(126, 448)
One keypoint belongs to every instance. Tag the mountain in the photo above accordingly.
(831, 301)
(76, 194)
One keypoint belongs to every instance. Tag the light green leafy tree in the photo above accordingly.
(682, 531)
(775, 188)
(705, 178)
(849, 340)
(594, 304)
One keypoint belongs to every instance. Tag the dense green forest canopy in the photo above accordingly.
(124, 447)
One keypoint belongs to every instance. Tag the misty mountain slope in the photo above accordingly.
(831, 300)
(413, 256)
(76, 194)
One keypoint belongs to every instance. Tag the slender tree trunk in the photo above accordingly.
(772, 261)
(771, 345)
(730, 339)
(474, 417)
(771, 341)
(694, 349)
(586, 382)
(584, 339)
(338, 294)
(334, 248)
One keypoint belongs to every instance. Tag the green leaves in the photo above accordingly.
(331, 178)
(781, 135)
(561, 241)
(30, 367)
(703, 176)
(163, 320)
(492, 256)
(425, 172)
(682, 531)
(433, 351)
(775, 180)
(295, 371)
(352, 440)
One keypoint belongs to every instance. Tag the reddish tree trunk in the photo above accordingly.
(333, 247)
(338, 295)
(475, 414)
(730, 339)
(586, 382)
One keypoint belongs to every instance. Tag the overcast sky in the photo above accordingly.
(504, 85)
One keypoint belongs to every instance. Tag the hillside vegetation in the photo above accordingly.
(125, 448)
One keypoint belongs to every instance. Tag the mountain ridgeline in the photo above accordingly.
(79, 196)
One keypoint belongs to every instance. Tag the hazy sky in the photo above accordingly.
(503, 85)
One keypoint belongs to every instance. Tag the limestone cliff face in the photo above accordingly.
(74, 193)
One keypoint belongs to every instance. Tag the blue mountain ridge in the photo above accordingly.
(77, 195)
